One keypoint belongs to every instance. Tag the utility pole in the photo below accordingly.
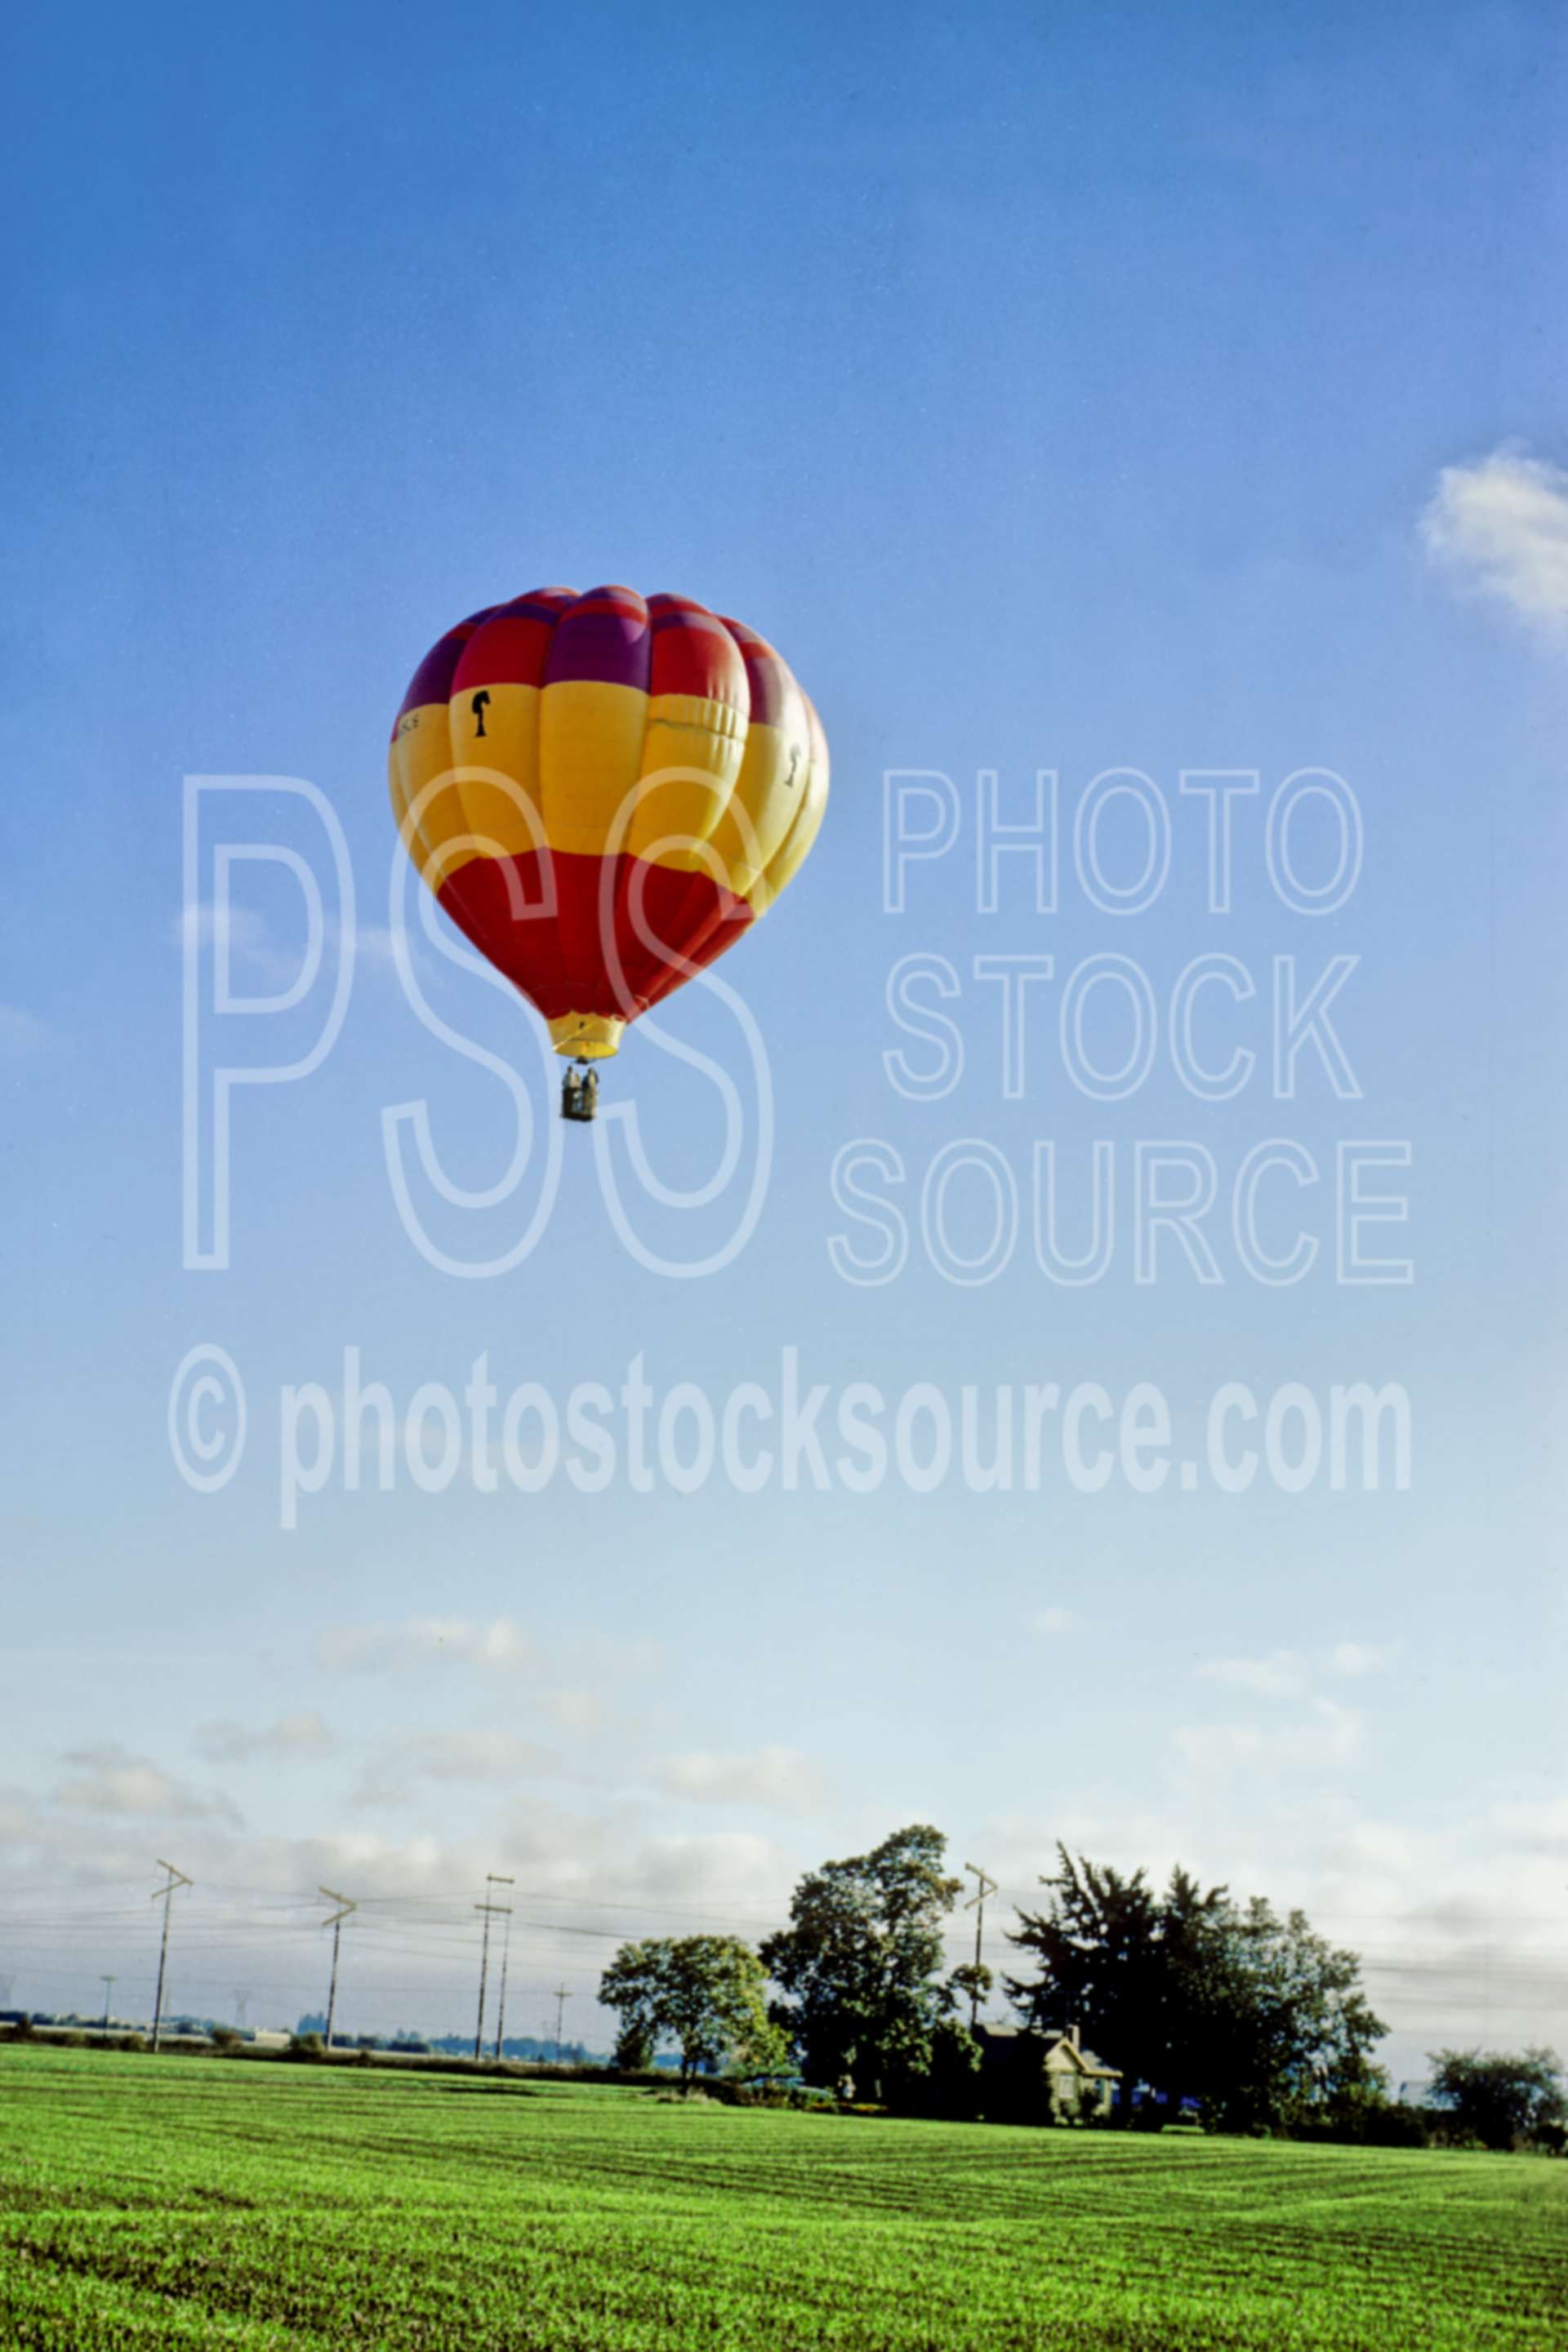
(561, 1998)
(487, 1908)
(505, 1956)
(160, 1895)
(241, 2010)
(108, 1983)
(976, 1903)
(336, 1924)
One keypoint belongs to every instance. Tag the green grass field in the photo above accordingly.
(152, 2201)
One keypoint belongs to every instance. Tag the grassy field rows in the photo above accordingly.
(189, 2201)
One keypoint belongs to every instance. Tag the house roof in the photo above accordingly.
(1084, 2060)
(1054, 2045)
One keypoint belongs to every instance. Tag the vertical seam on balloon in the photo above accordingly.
(687, 950)
(796, 823)
(621, 985)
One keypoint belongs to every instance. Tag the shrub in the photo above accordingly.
(1504, 2097)
(633, 2049)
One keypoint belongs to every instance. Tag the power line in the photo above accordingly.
(413, 1925)
(336, 1924)
(491, 1879)
(500, 2006)
(176, 1879)
(985, 1885)
(413, 1939)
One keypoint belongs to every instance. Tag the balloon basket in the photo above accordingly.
(579, 1093)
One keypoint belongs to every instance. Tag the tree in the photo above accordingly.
(1307, 2029)
(860, 1961)
(1189, 1994)
(706, 1993)
(634, 1985)
(951, 2087)
(970, 1985)
(636, 2045)
(1500, 2096)
(1098, 1945)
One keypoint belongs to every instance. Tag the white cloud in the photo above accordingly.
(245, 940)
(729, 1871)
(388, 1649)
(1308, 1731)
(1051, 1621)
(1290, 1674)
(248, 938)
(786, 1777)
(1329, 1735)
(1535, 1826)
(23, 1036)
(240, 930)
(112, 1781)
(1354, 1659)
(18, 1820)
(376, 944)
(1281, 1675)
(482, 1755)
(1499, 526)
(238, 1743)
(576, 1710)
(495, 1758)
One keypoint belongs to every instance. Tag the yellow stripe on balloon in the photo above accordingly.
(790, 854)
(501, 790)
(588, 768)
(762, 807)
(425, 799)
(590, 757)
(691, 759)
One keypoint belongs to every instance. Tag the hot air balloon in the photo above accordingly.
(603, 792)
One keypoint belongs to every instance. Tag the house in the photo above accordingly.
(1044, 2077)
(1081, 2086)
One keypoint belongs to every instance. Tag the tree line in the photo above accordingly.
(1193, 1995)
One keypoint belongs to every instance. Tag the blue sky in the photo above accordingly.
(1058, 391)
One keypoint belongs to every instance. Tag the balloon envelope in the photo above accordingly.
(604, 792)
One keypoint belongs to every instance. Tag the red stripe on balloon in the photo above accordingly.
(597, 935)
(604, 637)
(432, 681)
(694, 653)
(513, 647)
